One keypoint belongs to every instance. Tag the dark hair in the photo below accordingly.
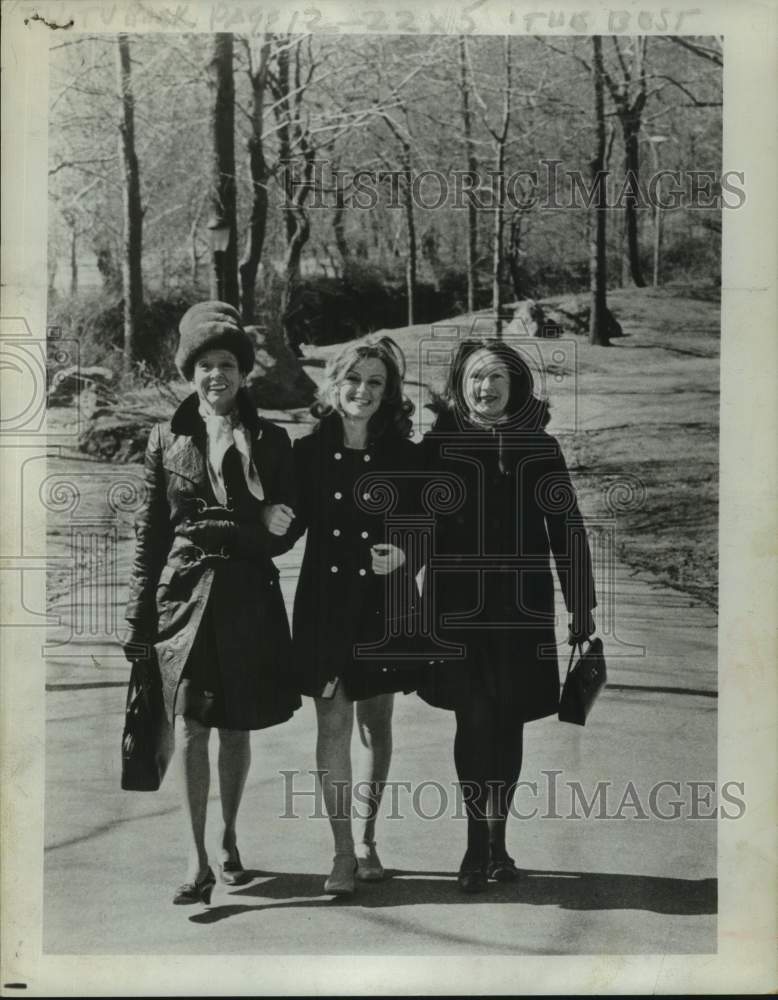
(394, 414)
(525, 409)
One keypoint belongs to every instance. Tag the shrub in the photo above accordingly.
(95, 320)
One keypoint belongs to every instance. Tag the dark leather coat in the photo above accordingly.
(173, 580)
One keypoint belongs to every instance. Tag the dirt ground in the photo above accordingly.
(638, 422)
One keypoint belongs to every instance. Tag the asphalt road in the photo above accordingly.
(623, 881)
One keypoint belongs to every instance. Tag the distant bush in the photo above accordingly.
(692, 257)
(95, 320)
(327, 310)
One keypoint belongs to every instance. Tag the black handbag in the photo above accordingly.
(583, 683)
(147, 741)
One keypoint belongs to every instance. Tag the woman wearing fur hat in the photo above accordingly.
(353, 581)
(204, 592)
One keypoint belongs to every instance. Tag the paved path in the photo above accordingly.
(635, 884)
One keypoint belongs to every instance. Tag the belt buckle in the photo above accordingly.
(197, 556)
(204, 509)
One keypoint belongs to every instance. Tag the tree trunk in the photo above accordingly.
(514, 255)
(260, 176)
(629, 109)
(296, 188)
(132, 278)
(497, 248)
(624, 253)
(338, 223)
(657, 242)
(73, 260)
(598, 325)
(472, 166)
(224, 263)
(499, 178)
(630, 129)
(194, 257)
(411, 266)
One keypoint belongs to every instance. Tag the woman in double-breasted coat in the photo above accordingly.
(355, 586)
(488, 589)
(204, 591)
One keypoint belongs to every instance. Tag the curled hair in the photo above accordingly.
(525, 409)
(393, 417)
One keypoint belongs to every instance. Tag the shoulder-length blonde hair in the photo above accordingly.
(393, 417)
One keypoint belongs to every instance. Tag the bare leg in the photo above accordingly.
(374, 724)
(234, 762)
(192, 739)
(335, 718)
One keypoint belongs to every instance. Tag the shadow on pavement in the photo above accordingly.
(568, 890)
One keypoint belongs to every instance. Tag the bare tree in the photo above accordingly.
(499, 134)
(296, 159)
(258, 55)
(132, 277)
(712, 52)
(598, 319)
(224, 259)
(338, 219)
(629, 97)
(402, 134)
(472, 168)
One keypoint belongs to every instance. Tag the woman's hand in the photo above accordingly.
(277, 517)
(386, 559)
(580, 628)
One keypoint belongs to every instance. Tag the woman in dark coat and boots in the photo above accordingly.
(353, 584)
(489, 589)
(204, 590)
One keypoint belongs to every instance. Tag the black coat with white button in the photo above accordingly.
(340, 603)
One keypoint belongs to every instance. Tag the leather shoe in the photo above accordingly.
(340, 881)
(198, 891)
(369, 867)
(232, 872)
(502, 868)
(472, 875)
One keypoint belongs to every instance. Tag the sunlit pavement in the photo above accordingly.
(633, 883)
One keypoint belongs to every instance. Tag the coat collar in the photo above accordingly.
(329, 431)
(186, 454)
(187, 420)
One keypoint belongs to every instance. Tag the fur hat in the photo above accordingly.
(209, 326)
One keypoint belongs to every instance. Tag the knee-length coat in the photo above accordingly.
(341, 604)
(173, 581)
(488, 588)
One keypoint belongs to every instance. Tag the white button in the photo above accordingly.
(362, 572)
(338, 456)
(336, 532)
(364, 534)
(365, 458)
(365, 496)
(338, 495)
(333, 569)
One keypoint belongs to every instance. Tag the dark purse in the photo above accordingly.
(583, 683)
(147, 741)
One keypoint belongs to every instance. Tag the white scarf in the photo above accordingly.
(223, 431)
